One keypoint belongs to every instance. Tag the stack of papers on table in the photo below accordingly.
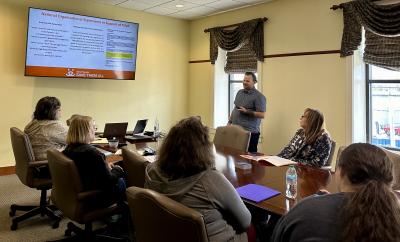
(274, 160)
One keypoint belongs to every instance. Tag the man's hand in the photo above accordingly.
(245, 111)
(242, 109)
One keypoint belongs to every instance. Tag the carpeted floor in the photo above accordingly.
(34, 229)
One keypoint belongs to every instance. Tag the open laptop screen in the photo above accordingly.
(115, 130)
(140, 126)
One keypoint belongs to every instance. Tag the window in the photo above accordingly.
(235, 82)
(383, 107)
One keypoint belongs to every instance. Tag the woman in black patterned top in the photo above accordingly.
(311, 144)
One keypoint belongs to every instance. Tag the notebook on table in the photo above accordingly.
(256, 193)
(138, 131)
(115, 130)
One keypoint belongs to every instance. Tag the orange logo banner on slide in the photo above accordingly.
(78, 72)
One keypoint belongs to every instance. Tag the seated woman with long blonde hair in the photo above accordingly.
(311, 144)
(93, 169)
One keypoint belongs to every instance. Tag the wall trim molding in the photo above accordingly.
(199, 61)
(7, 170)
(323, 52)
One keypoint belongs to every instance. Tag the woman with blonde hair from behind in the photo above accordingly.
(93, 169)
(311, 144)
(366, 209)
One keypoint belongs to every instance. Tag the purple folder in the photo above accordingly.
(256, 193)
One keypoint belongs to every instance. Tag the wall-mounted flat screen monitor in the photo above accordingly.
(75, 46)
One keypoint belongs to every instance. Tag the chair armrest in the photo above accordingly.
(38, 163)
(89, 194)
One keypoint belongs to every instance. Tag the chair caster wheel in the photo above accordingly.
(68, 232)
(12, 211)
(14, 226)
(56, 224)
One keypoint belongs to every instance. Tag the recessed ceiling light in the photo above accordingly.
(179, 6)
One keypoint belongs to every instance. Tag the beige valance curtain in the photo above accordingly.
(382, 26)
(244, 44)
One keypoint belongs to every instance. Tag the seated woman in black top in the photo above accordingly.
(311, 144)
(94, 171)
(366, 209)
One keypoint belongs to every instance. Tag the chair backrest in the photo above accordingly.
(23, 154)
(66, 183)
(332, 152)
(159, 218)
(134, 166)
(336, 161)
(395, 158)
(232, 136)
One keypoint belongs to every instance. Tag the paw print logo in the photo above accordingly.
(70, 73)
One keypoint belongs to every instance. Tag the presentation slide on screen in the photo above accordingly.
(68, 45)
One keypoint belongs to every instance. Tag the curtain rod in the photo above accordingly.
(231, 25)
(340, 6)
(334, 7)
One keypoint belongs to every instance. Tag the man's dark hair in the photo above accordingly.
(46, 108)
(249, 73)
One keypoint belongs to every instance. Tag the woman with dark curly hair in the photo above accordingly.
(46, 131)
(366, 208)
(185, 172)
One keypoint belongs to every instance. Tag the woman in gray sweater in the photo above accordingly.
(185, 172)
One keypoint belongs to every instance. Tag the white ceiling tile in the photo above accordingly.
(225, 4)
(135, 5)
(192, 9)
(161, 10)
(172, 5)
(201, 10)
(253, 1)
(153, 2)
(111, 2)
(201, 2)
(194, 12)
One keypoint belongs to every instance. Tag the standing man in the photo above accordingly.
(249, 109)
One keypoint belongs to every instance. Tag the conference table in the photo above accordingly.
(310, 180)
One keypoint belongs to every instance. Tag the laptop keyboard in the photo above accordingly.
(139, 135)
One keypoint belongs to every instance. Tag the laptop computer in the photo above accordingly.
(117, 130)
(138, 131)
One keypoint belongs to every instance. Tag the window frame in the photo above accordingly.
(368, 99)
(231, 82)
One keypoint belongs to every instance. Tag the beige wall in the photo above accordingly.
(160, 88)
(290, 83)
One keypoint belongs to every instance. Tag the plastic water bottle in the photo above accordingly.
(156, 128)
(291, 182)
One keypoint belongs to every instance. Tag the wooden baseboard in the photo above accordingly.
(7, 170)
